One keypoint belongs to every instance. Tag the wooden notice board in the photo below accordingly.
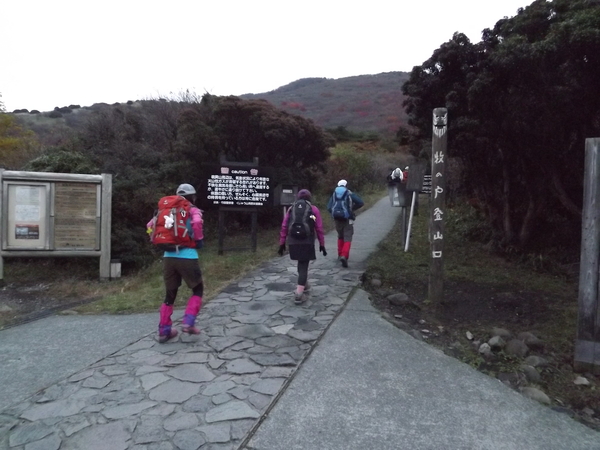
(76, 216)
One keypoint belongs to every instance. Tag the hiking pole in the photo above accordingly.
(412, 210)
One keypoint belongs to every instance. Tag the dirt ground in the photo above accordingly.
(22, 303)
(481, 308)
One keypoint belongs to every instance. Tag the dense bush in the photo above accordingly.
(152, 147)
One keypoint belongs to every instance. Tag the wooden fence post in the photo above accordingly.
(587, 345)
(438, 204)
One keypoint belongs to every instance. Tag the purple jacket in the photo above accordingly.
(318, 226)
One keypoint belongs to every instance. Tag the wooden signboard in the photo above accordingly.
(76, 216)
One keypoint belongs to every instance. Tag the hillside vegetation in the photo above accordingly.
(364, 103)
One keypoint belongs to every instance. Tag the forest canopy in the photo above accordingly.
(520, 105)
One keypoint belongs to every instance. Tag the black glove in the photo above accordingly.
(199, 243)
(281, 249)
(322, 250)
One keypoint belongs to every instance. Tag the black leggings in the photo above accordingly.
(172, 293)
(303, 272)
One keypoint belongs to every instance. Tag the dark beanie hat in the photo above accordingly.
(304, 194)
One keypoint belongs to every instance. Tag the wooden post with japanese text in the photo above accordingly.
(587, 344)
(438, 204)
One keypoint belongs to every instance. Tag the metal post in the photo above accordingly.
(221, 230)
(254, 230)
(410, 217)
(438, 204)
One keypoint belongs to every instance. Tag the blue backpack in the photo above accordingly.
(342, 205)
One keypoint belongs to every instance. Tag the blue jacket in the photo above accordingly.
(356, 200)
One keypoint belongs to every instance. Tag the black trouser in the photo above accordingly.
(303, 272)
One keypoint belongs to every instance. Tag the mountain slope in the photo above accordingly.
(360, 103)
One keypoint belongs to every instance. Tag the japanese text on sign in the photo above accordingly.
(238, 187)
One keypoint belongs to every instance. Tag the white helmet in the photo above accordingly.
(186, 189)
(397, 173)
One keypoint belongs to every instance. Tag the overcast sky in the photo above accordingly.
(63, 52)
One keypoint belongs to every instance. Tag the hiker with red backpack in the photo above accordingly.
(342, 204)
(176, 228)
(301, 224)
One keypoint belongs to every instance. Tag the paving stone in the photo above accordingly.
(29, 432)
(231, 355)
(240, 428)
(122, 411)
(51, 442)
(81, 375)
(180, 421)
(215, 331)
(265, 308)
(305, 336)
(219, 399)
(149, 430)
(259, 401)
(123, 384)
(97, 381)
(189, 440)
(185, 358)
(149, 369)
(259, 349)
(282, 329)
(241, 366)
(239, 392)
(278, 341)
(72, 425)
(244, 345)
(218, 432)
(252, 331)
(59, 408)
(197, 373)
(297, 312)
(277, 372)
(114, 371)
(151, 380)
(273, 360)
(221, 343)
(218, 388)
(268, 386)
(198, 404)
(113, 436)
(216, 363)
(232, 410)
(162, 410)
(174, 391)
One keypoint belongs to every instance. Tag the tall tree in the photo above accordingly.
(521, 112)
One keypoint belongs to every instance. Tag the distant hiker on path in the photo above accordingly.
(301, 225)
(396, 176)
(341, 205)
(177, 229)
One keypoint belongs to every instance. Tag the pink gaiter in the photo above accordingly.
(164, 324)
(192, 310)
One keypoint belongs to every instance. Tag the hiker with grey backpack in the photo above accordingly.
(342, 204)
(301, 225)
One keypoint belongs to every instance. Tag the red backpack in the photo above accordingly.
(173, 224)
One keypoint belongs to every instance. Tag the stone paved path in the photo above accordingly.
(195, 392)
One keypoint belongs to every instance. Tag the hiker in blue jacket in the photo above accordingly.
(341, 205)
